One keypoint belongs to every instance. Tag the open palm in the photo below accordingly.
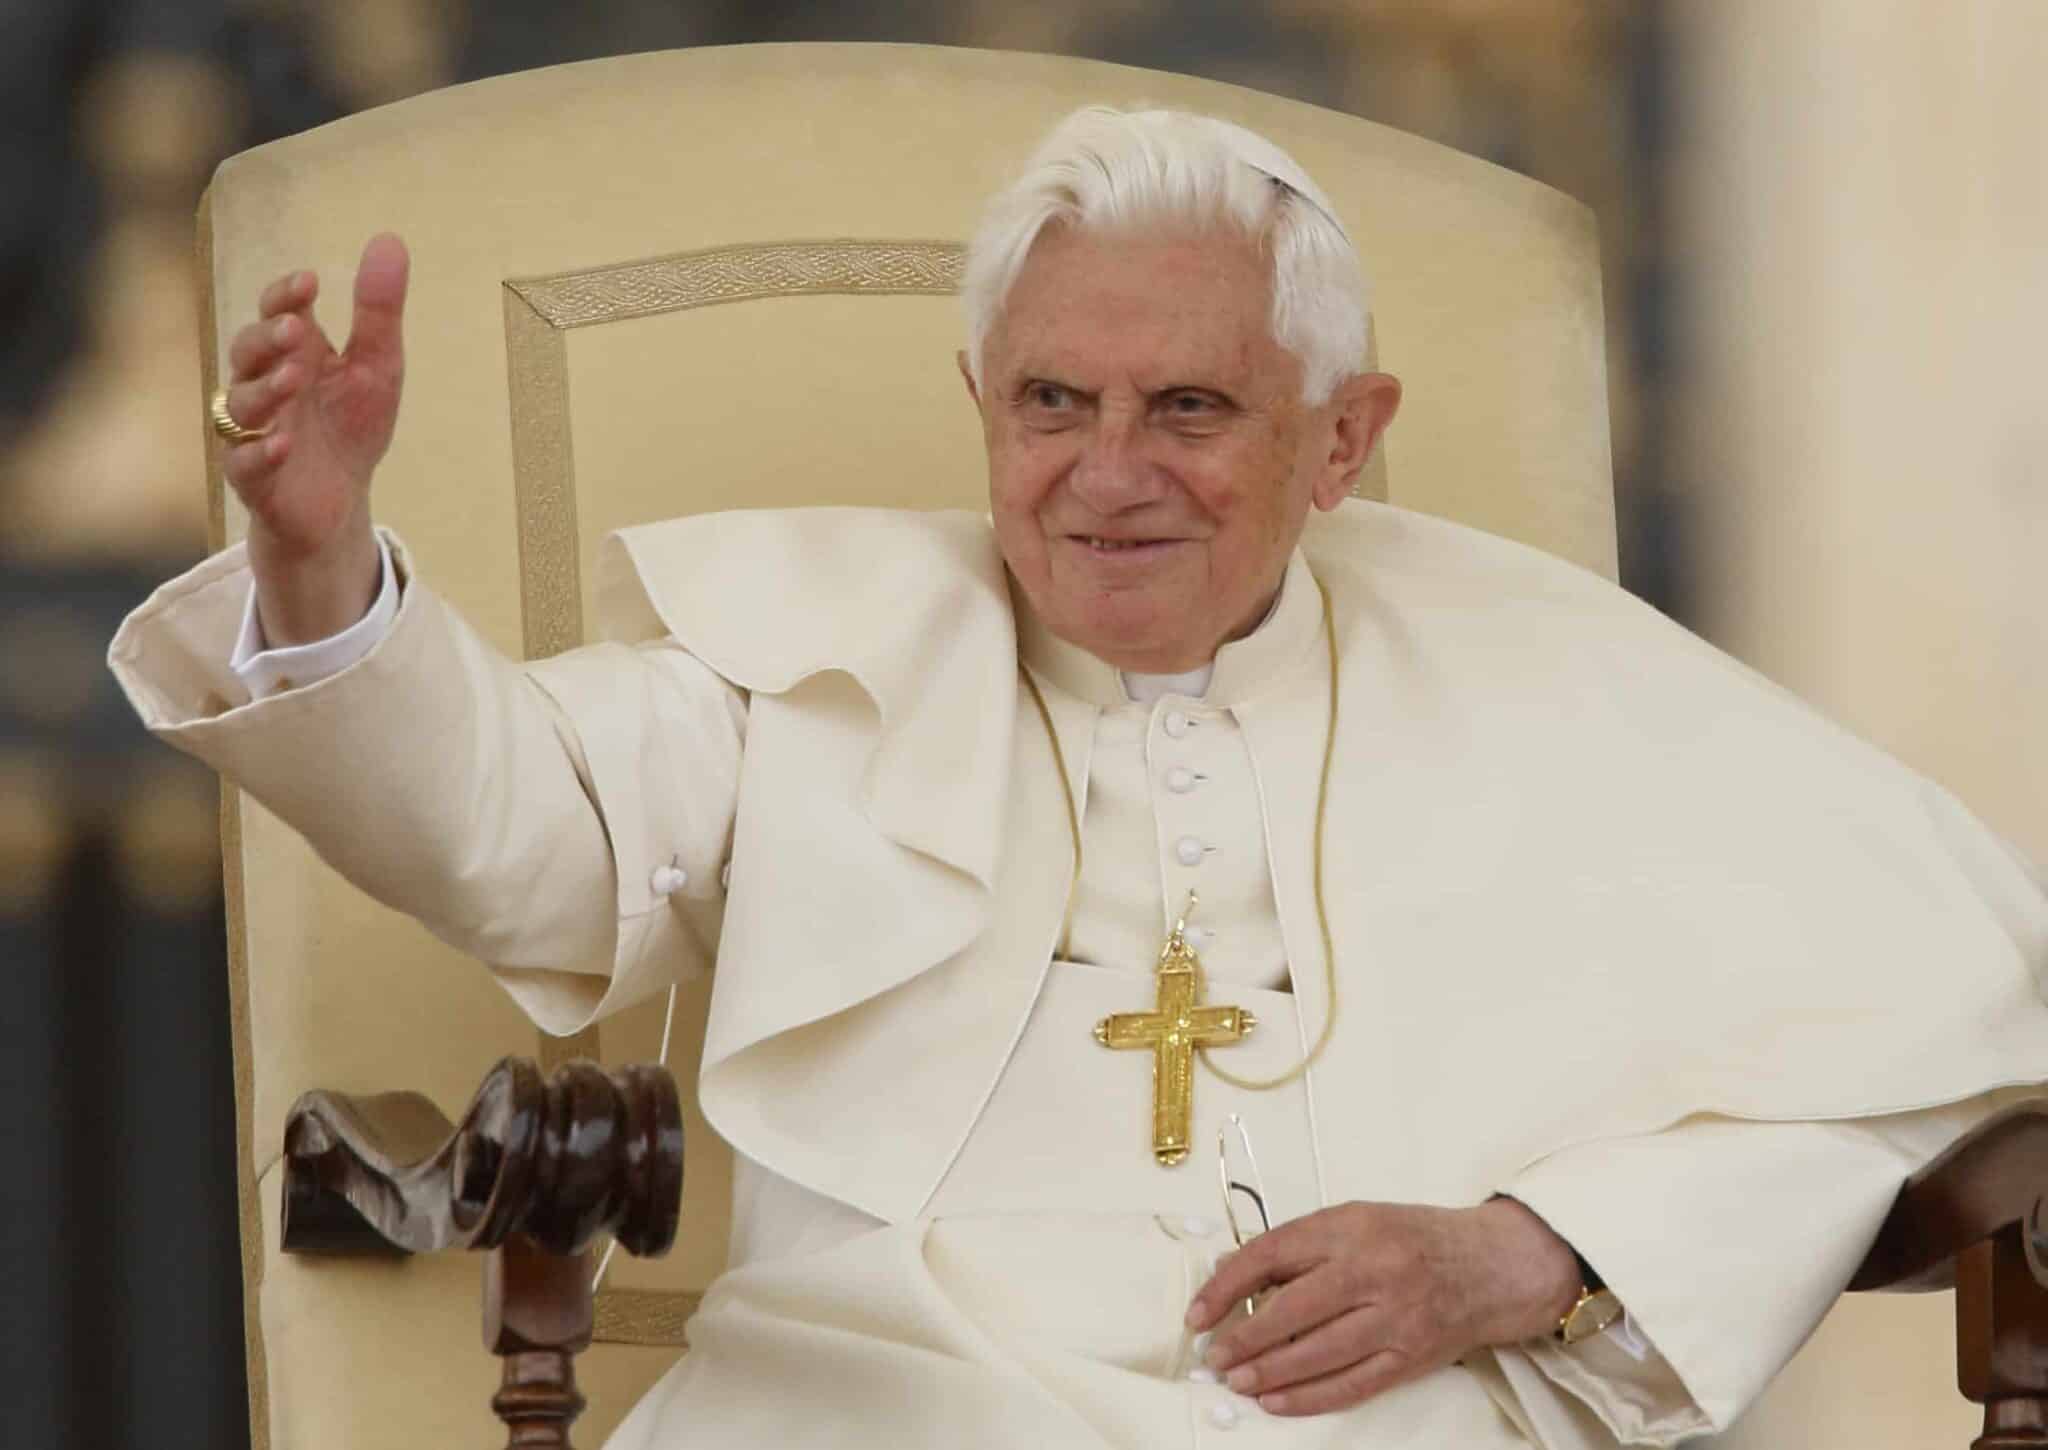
(328, 413)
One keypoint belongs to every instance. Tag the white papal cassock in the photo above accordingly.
(1597, 897)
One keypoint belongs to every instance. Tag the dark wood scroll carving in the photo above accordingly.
(1976, 1218)
(536, 1169)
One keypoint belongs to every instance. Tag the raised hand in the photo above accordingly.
(329, 417)
(1356, 1299)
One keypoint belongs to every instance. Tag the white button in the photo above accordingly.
(1190, 851)
(725, 877)
(668, 880)
(1176, 723)
(1223, 1416)
(1180, 780)
(1201, 1374)
(1198, 1226)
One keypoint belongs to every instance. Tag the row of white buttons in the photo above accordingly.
(1180, 780)
(1223, 1415)
(1188, 850)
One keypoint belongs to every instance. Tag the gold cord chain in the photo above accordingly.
(1322, 911)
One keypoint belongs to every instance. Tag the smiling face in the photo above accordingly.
(1151, 462)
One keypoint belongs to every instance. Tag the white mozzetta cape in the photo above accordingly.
(1586, 875)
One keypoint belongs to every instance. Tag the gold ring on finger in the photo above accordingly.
(224, 422)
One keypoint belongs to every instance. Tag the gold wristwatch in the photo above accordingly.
(1596, 1310)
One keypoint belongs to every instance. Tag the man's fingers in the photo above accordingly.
(254, 404)
(252, 466)
(257, 348)
(293, 292)
(1298, 1307)
(1328, 1347)
(376, 334)
(1272, 1258)
(1342, 1389)
(254, 349)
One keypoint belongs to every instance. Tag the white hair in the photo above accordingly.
(1105, 170)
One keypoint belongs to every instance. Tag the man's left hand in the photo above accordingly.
(1366, 1296)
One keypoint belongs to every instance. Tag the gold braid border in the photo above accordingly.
(683, 280)
(643, 1316)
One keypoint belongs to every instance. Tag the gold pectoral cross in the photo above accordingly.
(1173, 1030)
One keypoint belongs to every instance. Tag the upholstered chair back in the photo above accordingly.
(720, 279)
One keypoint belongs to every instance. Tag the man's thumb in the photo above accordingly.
(375, 333)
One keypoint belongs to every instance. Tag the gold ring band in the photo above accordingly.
(224, 422)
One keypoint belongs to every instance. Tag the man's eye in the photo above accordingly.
(1190, 405)
(1047, 395)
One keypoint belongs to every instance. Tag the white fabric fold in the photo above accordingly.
(1548, 795)
(848, 888)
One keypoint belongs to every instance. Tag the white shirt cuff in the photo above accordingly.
(266, 672)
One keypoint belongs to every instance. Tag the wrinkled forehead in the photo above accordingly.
(1143, 303)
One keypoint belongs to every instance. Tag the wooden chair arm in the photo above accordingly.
(536, 1169)
(1992, 1178)
(1974, 1219)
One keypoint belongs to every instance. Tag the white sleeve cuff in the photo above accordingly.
(266, 672)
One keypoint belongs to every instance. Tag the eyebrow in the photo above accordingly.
(1030, 380)
(1213, 390)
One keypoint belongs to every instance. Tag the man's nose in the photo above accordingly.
(1113, 472)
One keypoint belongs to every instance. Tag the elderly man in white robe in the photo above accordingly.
(1578, 1000)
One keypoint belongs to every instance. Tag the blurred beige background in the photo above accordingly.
(1824, 225)
(1863, 207)
(1865, 212)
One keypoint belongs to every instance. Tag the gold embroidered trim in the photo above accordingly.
(642, 1316)
(544, 474)
(544, 480)
(539, 310)
(684, 280)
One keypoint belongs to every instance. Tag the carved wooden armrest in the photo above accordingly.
(1974, 1218)
(536, 1169)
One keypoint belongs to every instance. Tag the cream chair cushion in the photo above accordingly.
(718, 279)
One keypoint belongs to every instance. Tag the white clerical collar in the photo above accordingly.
(1281, 643)
(1192, 685)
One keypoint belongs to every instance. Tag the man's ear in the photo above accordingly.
(1359, 412)
(967, 377)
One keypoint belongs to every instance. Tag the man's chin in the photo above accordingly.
(1139, 643)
